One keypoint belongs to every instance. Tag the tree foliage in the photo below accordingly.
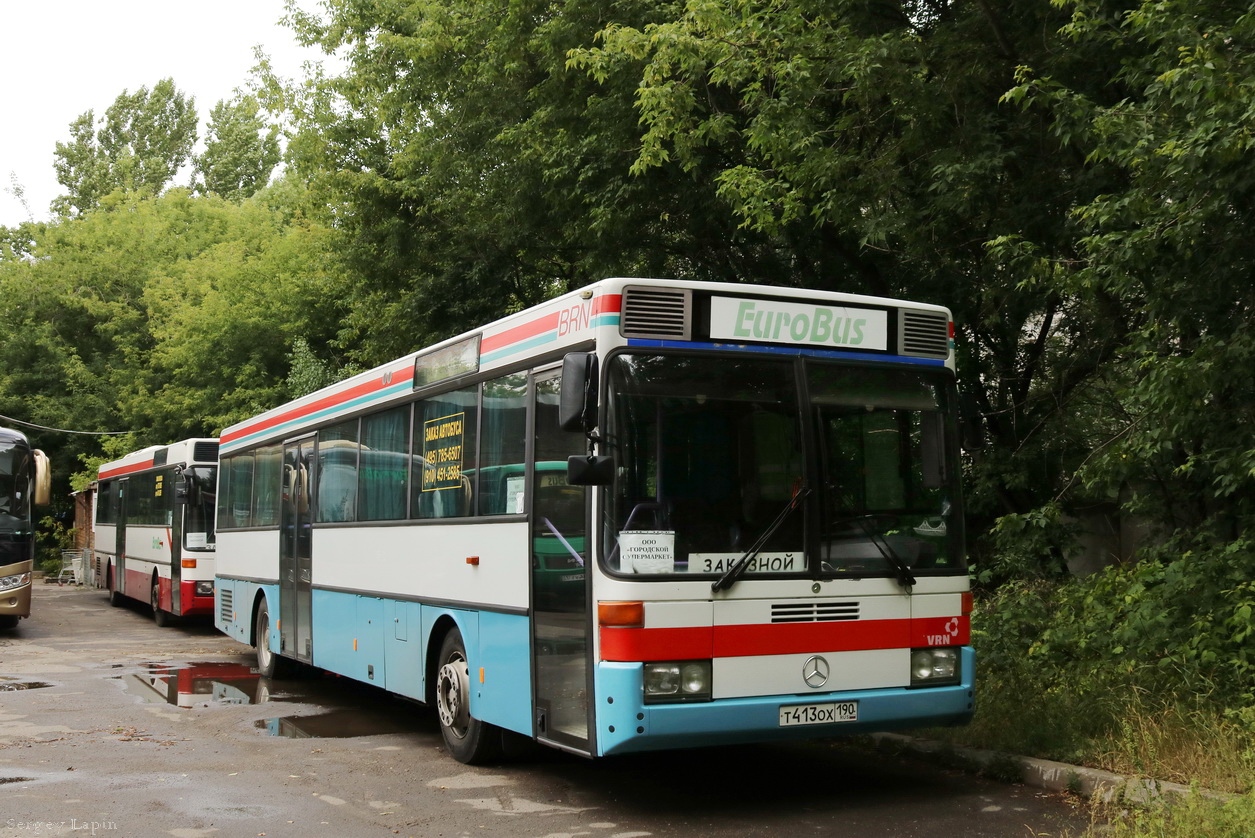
(167, 317)
(139, 145)
(241, 150)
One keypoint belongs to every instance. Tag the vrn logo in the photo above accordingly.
(952, 631)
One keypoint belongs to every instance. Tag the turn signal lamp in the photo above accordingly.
(621, 614)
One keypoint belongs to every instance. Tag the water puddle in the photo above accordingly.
(198, 684)
(13, 685)
(350, 709)
(339, 724)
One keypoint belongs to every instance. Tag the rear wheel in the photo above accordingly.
(115, 598)
(468, 739)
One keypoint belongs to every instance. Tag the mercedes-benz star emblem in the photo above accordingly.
(815, 671)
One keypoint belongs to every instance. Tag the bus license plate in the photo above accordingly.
(819, 714)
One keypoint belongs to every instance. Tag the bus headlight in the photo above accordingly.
(17, 580)
(677, 681)
(204, 589)
(934, 667)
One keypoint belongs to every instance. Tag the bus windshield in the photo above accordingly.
(711, 451)
(202, 498)
(15, 467)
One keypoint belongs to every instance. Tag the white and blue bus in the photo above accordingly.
(647, 514)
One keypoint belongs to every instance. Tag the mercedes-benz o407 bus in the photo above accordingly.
(154, 527)
(647, 514)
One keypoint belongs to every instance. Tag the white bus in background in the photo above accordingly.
(647, 514)
(154, 527)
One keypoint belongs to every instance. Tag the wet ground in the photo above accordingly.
(112, 726)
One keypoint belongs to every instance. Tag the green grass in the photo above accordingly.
(1114, 725)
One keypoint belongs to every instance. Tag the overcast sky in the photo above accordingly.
(60, 58)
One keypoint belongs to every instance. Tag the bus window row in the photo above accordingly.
(456, 454)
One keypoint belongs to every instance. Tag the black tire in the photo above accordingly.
(161, 618)
(8, 621)
(115, 598)
(468, 739)
(270, 664)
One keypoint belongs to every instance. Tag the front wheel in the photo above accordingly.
(269, 664)
(468, 739)
(161, 618)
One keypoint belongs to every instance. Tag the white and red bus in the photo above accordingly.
(647, 514)
(154, 527)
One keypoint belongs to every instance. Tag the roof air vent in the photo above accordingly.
(663, 313)
(923, 334)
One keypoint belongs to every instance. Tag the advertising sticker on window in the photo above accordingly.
(647, 551)
(442, 451)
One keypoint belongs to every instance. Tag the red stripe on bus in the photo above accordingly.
(491, 343)
(649, 644)
(645, 644)
(131, 469)
(608, 302)
(375, 384)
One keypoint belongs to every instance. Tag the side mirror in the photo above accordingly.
(43, 479)
(577, 401)
(584, 470)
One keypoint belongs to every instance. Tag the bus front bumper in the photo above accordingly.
(625, 724)
(15, 591)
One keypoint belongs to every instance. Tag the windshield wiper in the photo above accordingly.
(738, 568)
(900, 568)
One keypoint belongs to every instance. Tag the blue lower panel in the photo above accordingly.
(243, 596)
(504, 696)
(625, 724)
(388, 642)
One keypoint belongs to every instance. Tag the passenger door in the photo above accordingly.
(559, 553)
(295, 553)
